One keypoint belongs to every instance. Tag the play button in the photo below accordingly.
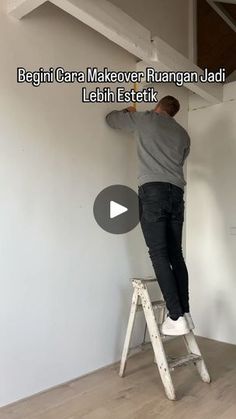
(116, 209)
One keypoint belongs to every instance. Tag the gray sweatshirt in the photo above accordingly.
(163, 145)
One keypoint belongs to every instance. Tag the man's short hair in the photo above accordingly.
(169, 104)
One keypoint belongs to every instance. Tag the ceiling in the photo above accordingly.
(216, 40)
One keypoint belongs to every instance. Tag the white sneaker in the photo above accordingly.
(175, 327)
(189, 320)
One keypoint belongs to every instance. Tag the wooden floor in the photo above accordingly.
(140, 395)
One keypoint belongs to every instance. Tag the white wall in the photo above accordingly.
(211, 247)
(65, 293)
(167, 19)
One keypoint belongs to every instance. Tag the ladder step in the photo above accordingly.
(183, 360)
(155, 305)
(151, 279)
(148, 345)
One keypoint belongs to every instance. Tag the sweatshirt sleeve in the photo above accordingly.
(187, 149)
(122, 120)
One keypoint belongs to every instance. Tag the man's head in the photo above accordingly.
(169, 105)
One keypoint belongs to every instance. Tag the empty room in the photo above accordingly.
(118, 209)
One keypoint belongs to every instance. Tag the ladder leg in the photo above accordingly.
(129, 332)
(157, 344)
(193, 347)
(161, 313)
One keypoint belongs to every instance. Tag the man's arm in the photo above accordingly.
(122, 119)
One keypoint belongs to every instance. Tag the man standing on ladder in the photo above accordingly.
(163, 146)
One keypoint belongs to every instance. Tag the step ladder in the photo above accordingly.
(141, 301)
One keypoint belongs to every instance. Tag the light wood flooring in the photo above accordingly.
(140, 395)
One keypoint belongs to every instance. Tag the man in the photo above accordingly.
(163, 146)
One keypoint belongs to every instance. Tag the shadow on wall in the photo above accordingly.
(211, 214)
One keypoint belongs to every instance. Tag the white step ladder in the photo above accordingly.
(165, 365)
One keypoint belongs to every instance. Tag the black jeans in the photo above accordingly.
(162, 217)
